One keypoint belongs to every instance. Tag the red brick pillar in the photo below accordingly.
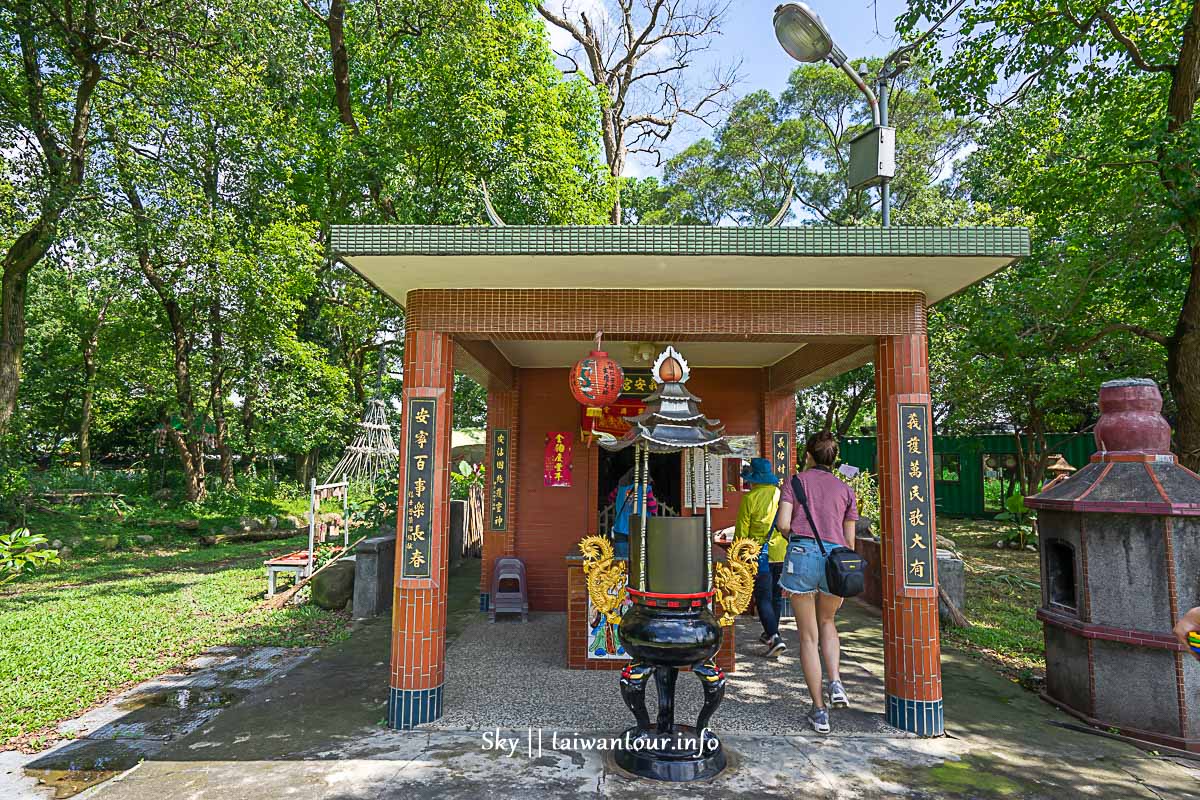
(501, 487)
(423, 531)
(912, 654)
(779, 431)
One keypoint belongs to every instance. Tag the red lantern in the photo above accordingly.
(596, 381)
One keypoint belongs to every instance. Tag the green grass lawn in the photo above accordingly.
(74, 635)
(1003, 594)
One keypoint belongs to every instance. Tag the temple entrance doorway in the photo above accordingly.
(665, 481)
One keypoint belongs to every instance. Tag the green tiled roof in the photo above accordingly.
(677, 240)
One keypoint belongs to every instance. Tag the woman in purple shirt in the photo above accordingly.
(834, 509)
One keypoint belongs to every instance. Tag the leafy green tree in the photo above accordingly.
(54, 56)
(1099, 100)
(207, 219)
(842, 405)
(771, 151)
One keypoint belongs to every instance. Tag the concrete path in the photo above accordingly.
(139, 723)
(317, 733)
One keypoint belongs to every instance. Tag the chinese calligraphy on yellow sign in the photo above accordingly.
(558, 458)
(779, 454)
(917, 512)
(498, 501)
(420, 432)
(638, 383)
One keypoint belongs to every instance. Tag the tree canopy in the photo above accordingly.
(167, 245)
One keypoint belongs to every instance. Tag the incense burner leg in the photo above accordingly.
(712, 679)
(664, 679)
(633, 691)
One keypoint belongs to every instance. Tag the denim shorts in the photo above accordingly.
(804, 568)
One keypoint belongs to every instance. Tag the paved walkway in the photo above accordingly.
(317, 733)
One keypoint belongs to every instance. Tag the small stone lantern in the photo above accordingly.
(1120, 560)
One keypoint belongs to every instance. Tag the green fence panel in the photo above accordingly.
(959, 469)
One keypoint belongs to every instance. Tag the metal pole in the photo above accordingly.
(862, 87)
(885, 189)
(645, 458)
(707, 529)
(313, 507)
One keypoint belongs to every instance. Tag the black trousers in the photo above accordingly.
(768, 598)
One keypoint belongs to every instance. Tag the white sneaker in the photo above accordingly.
(837, 695)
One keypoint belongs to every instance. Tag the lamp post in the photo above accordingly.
(872, 154)
(805, 38)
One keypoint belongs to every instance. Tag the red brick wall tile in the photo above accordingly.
(669, 316)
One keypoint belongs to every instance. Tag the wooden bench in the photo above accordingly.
(296, 563)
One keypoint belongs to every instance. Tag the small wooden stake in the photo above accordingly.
(956, 616)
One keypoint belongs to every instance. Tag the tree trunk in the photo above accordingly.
(217, 395)
(65, 173)
(306, 466)
(89, 388)
(247, 419)
(615, 169)
(189, 444)
(856, 404)
(1183, 348)
(1183, 368)
(85, 416)
(26, 251)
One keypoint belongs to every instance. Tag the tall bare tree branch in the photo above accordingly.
(640, 107)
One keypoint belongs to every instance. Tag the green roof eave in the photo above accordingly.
(677, 240)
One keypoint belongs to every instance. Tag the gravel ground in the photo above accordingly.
(514, 675)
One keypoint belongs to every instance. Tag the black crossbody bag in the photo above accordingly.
(845, 570)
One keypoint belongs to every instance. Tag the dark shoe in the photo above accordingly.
(765, 638)
(776, 646)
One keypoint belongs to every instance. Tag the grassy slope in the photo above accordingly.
(72, 636)
(1003, 594)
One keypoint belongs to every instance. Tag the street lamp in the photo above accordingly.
(872, 154)
(805, 38)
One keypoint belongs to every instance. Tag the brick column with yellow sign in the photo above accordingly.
(912, 653)
(423, 531)
(779, 431)
(501, 488)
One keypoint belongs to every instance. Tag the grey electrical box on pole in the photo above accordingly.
(872, 157)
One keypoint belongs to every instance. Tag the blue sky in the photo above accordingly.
(860, 27)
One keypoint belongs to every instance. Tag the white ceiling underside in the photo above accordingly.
(937, 277)
(544, 354)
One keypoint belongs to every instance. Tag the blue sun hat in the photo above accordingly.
(760, 471)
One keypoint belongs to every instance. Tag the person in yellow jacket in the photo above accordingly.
(756, 518)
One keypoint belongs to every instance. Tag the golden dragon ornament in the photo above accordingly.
(733, 579)
(606, 580)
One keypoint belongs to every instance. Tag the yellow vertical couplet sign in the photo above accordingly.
(498, 500)
(779, 455)
(915, 496)
(417, 528)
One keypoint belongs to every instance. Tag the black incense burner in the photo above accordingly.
(671, 625)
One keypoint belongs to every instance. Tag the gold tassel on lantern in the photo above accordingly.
(734, 579)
